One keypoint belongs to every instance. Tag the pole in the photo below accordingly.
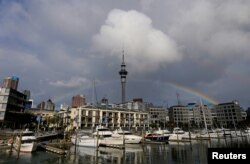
(19, 146)
(123, 139)
(129, 121)
(12, 142)
(75, 141)
(97, 140)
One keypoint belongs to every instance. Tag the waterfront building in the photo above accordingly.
(90, 117)
(202, 115)
(157, 116)
(229, 114)
(12, 102)
(77, 101)
(179, 114)
(191, 115)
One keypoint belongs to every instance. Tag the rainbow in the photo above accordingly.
(193, 92)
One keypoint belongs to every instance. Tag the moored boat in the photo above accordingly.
(177, 134)
(128, 136)
(107, 138)
(158, 136)
(27, 142)
(84, 141)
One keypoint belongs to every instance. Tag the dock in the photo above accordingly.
(46, 136)
(54, 149)
(4, 146)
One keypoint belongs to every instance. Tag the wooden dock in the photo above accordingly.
(4, 146)
(54, 149)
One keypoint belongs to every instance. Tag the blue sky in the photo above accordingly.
(57, 48)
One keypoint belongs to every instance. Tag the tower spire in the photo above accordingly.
(123, 73)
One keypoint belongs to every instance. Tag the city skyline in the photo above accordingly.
(193, 48)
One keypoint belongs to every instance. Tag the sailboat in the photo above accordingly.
(203, 134)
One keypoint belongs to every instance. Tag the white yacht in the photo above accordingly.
(247, 131)
(209, 134)
(177, 134)
(84, 141)
(28, 142)
(128, 136)
(189, 136)
(107, 138)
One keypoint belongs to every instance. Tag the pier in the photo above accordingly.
(54, 149)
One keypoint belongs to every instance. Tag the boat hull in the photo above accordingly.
(157, 138)
(111, 141)
(85, 142)
(26, 147)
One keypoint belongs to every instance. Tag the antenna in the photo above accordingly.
(94, 95)
(178, 98)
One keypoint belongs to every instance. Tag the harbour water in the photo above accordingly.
(174, 152)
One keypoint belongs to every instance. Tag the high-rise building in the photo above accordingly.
(27, 93)
(49, 105)
(123, 73)
(228, 114)
(78, 101)
(41, 105)
(11, 82)
(12, 101)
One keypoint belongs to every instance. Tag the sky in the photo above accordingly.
(194, 49)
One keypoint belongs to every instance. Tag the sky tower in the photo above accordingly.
(123, 73)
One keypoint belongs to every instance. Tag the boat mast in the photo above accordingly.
(204, 117)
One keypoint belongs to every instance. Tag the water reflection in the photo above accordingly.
(173, 152)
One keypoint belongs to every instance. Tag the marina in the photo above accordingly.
(146, 152)
(172, 152)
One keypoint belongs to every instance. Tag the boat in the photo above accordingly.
(84, 141)
(107, 137)
(189, 136)
(213, 134)
(128, 136)
(247, 131)
(28, 142)
(158, 136)
(177, 134)
(101, 137)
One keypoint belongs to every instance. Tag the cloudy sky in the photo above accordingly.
(195, 48)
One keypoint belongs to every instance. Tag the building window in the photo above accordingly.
(2, 106)
(2, 114)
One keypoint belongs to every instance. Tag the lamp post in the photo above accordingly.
(66, 121)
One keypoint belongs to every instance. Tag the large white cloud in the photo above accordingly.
(48, 44)
(146, 47)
